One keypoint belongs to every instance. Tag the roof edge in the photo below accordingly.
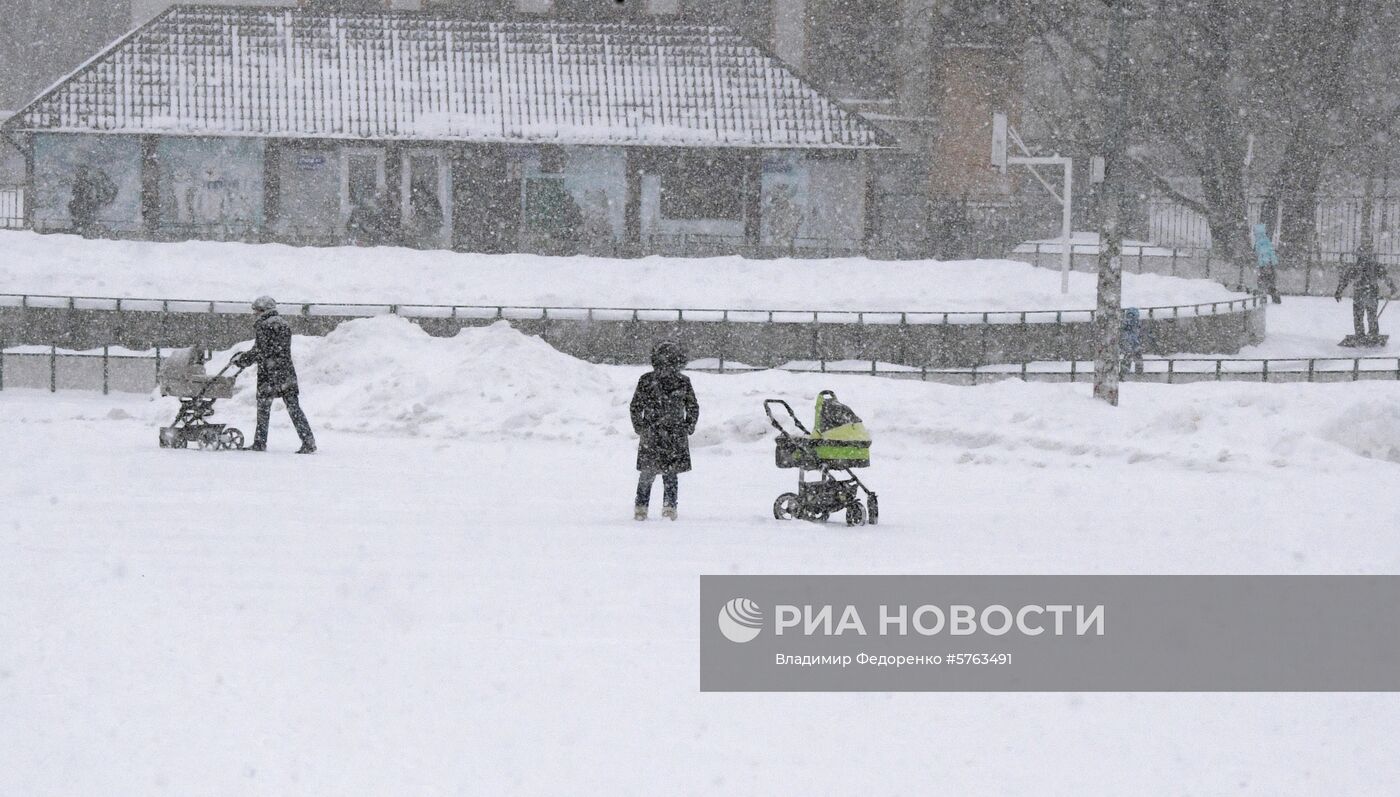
(10, 125)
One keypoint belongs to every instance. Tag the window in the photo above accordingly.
(702, 186)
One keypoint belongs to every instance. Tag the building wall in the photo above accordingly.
(57, 157)
(308, 208)
(210, 187)
(975, 81)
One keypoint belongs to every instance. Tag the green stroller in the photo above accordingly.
(824, 460)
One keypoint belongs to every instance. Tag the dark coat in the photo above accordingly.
(1367, 273)
(272, 353)
(664, 413)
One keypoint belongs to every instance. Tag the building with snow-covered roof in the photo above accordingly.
(317, 126)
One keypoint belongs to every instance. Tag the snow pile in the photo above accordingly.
(1369, 428)
(385, 375)
(71, 265)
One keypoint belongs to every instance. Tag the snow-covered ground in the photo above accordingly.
(1311, 326)
(451, 596)
(71, 265)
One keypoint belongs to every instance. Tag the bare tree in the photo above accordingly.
(1306, 80)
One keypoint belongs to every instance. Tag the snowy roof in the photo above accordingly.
(207, 70)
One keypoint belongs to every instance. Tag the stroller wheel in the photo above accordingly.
(872, 505)
(231, 439)
(855, 514)
(786, 507)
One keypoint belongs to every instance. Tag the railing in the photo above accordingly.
(652, 314)
(1338, 221)
(53, 369)
(1164, 370)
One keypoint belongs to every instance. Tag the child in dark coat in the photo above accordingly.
(664, 413)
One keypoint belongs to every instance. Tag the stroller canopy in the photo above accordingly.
(841, 436)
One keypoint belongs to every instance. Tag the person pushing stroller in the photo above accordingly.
(664, 414)
(277, 377)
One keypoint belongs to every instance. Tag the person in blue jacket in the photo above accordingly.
(1132, 341)
(1266, 263)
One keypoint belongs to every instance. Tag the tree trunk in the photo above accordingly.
(1295, 189)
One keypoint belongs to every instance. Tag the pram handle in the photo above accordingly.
(776, 424)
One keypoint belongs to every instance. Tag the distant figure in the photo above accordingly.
(1266, 263)
(1132, 341)
(1366, 274)
(93, 190)
(664, 414)
(277, 377)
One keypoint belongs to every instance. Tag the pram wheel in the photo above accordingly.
(872, 505)
(855, 514)
(231, 439)
(787, 507)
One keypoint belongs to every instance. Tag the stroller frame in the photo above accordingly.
(191, 424)
(816, 498)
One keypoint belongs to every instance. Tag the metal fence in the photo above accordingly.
(653, 314)
(1165, 370)
(1316, 276)
(11, 207)
(51, 368)
(55, 369)
(1338, 220)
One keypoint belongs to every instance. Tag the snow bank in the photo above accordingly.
(67, 264)
(385, 375)
(1369, 428)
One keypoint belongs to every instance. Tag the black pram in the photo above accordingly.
(183, 377)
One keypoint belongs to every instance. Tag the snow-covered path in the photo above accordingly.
(478, 614)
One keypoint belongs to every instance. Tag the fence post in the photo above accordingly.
(53, 369)
(1265, 374)
(2, 365)
(106, 369)
(1312, 364)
